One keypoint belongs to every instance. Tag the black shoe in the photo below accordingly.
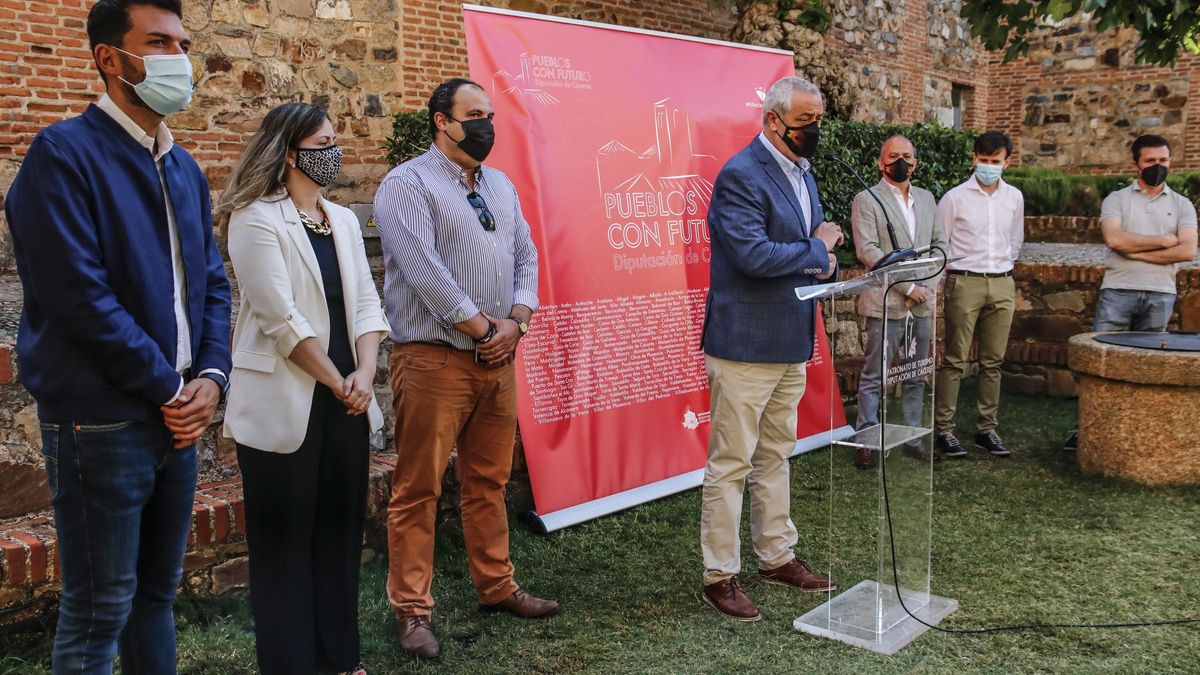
(947, 444)
(990, 441)
(1072, 443)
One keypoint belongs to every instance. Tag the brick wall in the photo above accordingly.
(906, 58)
(1079, 99)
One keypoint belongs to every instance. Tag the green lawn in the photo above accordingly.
(1021, 540)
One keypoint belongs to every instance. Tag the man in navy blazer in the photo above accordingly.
(769, 235)
(124, 338)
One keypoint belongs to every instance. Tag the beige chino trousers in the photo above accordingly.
(974, 305)
(753, 434)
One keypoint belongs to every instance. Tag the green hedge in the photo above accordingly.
(1050, 192)
(943, 160)
(410, 136)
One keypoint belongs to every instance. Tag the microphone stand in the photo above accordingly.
(897, 254)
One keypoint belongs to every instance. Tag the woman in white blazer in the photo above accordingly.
(301, 402)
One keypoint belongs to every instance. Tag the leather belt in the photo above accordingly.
(986, 275)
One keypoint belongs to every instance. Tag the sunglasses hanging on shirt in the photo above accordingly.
(486, 219)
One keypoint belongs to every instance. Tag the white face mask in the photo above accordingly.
(168, 85)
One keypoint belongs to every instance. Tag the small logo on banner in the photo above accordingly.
(762, 96)
(693, 420)
(540, 72)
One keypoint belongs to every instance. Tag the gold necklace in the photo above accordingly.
(321, 227)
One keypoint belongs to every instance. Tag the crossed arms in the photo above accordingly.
(1158, 249)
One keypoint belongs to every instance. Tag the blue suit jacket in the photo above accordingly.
(761, 252)
(97, 339)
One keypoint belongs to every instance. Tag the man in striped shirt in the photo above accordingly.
(460, 289)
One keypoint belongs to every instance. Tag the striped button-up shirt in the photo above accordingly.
(442, 267)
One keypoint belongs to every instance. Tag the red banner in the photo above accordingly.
(613, 138)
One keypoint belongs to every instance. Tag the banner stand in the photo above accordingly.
(573, 515)
(614, 165)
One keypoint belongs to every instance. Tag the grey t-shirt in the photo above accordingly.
(1166, 213)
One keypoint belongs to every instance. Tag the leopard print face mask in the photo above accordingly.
(319, 164)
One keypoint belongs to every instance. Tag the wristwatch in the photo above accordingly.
(220, 379)
(521, 325)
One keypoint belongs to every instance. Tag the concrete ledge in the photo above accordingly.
(1133, 364)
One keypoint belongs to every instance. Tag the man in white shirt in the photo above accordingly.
(984, 221)
(912, 211)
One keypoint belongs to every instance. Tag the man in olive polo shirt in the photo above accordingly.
(1149, 229)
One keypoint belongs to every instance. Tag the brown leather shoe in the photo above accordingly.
(796, 573)
(864, 458)
(728, 598)
(523, 605)
(416, 637)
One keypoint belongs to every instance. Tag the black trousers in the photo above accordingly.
(304, 529)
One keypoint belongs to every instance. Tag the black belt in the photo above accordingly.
(986, 275)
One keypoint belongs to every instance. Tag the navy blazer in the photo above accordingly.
(97, 339)
(761, 251)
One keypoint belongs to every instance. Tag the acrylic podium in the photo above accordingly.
(882, 563)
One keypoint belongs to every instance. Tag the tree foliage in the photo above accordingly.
(1165, 26)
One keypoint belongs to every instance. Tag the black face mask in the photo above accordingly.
(1155, 175)
(478, 137)
(898, 170)
(807, 147)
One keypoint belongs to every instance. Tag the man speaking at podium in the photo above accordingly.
(768, 237)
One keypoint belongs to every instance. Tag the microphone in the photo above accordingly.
(897, 254)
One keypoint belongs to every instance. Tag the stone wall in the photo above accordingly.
(1063, 229)
(1079, 99)
(906, 55)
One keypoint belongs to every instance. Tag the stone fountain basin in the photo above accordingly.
(1139, 411)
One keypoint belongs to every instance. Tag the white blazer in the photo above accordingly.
(283, 302)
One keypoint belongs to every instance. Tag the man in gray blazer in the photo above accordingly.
(769, 236)
(913, 213)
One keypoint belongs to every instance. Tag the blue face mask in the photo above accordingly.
(988, 173)
(168, 85)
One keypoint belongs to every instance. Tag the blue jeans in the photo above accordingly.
(912, 390)
(122, 509)
(1121, 310)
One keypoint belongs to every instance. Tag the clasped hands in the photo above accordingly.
(355, 391)
(192, 411)
(500, 350)
(918, 295)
